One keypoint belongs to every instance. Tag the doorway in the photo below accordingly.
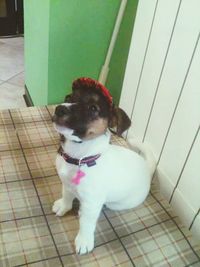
(11, 17)
(11, 54)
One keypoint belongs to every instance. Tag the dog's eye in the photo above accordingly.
(93, 108)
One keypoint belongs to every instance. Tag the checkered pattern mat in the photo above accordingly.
(31, 235)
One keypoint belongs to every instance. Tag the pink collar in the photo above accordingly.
(90, 161)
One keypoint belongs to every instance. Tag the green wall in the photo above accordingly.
(66, 39)
(78, 41)
(36, 49)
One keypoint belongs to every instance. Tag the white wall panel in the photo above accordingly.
(161, 92)
(189, 186)
(139, 43)
(160, 38)
(175, 71)
(185, 124)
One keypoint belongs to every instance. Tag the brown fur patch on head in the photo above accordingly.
(88, 115)
(95, 98)
(96, 128)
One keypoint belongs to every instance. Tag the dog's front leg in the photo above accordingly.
(89, 214)
(64, 204)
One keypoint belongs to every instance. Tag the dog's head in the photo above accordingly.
(88, 111)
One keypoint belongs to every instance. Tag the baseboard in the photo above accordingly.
(166, 185)
(179, 204)
(27, 98)
(195, 229)
(183, 208)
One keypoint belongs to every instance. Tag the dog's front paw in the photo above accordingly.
(60, 207)
(84, 243)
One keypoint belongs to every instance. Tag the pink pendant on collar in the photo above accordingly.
(77, 178)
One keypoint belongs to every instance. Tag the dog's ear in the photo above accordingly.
(119, 120)
(68, 98)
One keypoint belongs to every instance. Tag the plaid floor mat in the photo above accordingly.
(31, 235)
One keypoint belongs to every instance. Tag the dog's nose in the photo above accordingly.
(62, 110)
(61, 115)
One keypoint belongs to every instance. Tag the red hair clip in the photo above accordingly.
(90, 83)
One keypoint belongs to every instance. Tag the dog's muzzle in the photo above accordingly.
(62, 114)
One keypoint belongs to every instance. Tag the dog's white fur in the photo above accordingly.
(120, 179)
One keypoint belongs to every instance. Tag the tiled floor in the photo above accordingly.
(12, 73)
(150, 235)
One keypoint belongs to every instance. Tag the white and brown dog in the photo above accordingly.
(90, 168)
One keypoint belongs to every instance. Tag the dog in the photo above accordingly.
(90, 168)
